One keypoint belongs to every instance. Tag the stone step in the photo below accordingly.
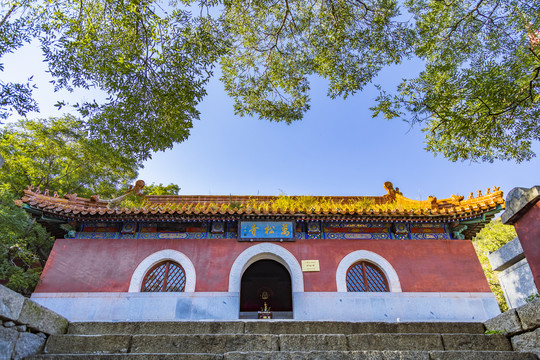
(380, 355)
(394, 342)
(300, 355)
(330, 327)
(160, 356)
(217, 343)
(223, 343)
(271, 327)
(157, 327)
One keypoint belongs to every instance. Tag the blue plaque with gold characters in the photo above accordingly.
(266, 231)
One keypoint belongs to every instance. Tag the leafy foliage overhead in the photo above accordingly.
(278, 44)
(16, 29)
(476, 99)
(478, 95)
(152, 64)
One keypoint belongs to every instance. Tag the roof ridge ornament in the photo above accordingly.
(391, 196)
(71, 197)
(456, 199)
(133, 189)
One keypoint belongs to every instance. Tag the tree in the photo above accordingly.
(16, 29)
(277, 45)
(490, 238)
(152, 189)
(139, 200)
(152, 64)
(24, 246)
(476, 99)
(56, 154)
(53, 154)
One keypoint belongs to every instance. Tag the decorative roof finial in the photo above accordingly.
(139, 184)
(456, 199)
(389, 187)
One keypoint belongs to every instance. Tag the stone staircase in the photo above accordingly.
(276, 340)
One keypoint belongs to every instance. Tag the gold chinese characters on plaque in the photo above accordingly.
(310, 265)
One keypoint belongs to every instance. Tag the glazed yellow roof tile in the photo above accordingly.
(391, 205)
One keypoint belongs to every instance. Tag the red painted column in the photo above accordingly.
(528, 230)
(523, 211)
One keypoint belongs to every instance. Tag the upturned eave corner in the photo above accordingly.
(490, 199)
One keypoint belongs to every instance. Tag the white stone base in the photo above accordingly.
(394, 307)
(337, 306)
(517, 283)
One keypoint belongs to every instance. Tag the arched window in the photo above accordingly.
(166, 276)
(145, 267)
(363, 276)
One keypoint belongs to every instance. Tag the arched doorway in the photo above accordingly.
(266, 281)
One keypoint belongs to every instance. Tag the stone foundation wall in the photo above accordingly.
(312, 306)
(521, 325)
(25, 325)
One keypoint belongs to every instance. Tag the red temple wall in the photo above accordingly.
(528, 231)
(80, 265)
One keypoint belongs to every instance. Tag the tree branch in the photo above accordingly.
(454, 28)
(8, 14)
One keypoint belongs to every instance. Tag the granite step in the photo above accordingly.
(216, 343)
(159, 356)
(278, 340)
(380, 355)
(223, 343)
(301, 355)
(334, 327)
(157, 327)
(271, 327)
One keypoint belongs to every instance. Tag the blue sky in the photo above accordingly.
(338, 149)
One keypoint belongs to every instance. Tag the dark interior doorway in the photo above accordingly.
(266, 281)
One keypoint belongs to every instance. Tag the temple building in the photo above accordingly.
(357, 258)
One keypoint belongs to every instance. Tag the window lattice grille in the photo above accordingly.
(167, 276)
(366, 277)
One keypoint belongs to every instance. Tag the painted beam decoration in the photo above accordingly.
(266, 231)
